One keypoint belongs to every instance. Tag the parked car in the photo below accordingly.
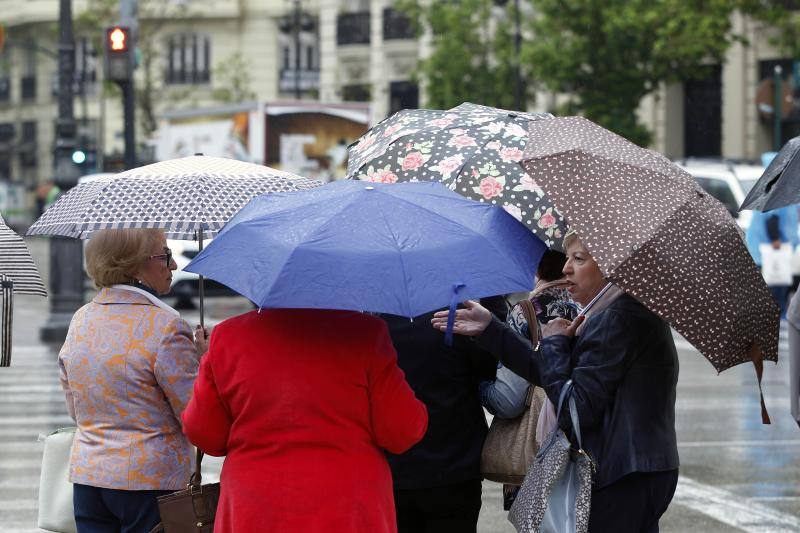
(185, 285)
(726, 181)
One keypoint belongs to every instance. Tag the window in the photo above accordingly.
(28, 80)
(27, 146)
(188, 59)
(356, 93)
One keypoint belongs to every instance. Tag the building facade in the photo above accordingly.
(211, 52)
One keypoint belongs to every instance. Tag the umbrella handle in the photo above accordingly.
(200, 287)
(451, 316)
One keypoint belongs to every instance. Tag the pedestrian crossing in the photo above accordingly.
(31, 406)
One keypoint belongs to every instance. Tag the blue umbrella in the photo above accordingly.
(404, 249)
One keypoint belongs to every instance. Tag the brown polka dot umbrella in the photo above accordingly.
(658, 236)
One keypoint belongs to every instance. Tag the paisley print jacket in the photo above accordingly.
(127, 368)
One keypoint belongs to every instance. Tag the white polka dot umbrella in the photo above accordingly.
(474, 150)
(658, 236)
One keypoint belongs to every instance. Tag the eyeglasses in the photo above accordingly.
(166, 256)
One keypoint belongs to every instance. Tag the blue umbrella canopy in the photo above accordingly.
(404, 249)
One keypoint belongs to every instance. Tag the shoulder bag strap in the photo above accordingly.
(533, 333)
(196, 479)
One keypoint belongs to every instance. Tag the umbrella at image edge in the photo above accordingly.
(403, 249)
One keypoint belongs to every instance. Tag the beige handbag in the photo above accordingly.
(511, 444)
(56, 512)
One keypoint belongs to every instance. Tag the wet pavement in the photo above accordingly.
(736, 474)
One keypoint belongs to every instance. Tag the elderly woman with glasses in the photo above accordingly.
(127, 368)
(623, 365)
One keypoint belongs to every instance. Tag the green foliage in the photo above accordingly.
(473, 57)
(609, 54)
(232, 77)
(783, 17)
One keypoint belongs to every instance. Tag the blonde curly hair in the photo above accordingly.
(114, 255)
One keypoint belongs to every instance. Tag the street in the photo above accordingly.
(736, 474)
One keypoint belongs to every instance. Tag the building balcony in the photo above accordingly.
(397, 25)
(308, 80)
(28, 87)
(353, 28)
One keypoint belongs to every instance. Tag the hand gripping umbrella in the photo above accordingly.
(189, 198)
(474, 150)
(18, 274)
(658, 236)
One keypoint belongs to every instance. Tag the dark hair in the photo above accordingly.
(551, 265)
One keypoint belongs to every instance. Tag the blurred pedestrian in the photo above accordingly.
(437, 483)
(505, 396)
(775, 228)
(303, 403)
(624, 369)
(127, 368)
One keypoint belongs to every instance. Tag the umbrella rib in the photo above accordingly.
(402, 260)
(492, 242)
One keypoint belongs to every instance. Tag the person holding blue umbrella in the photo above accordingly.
(304, 395)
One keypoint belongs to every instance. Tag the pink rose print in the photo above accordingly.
(526, 183)
(511, 153)
(383, 175)
(392, 129)
(514, 211)
(546, 221)
(461, 141)
(447, 165)
(442, 122)
(494, 128)
(490, 188)
(515, 130)
(412, 161)
(475, 173)
(365, 143)
(493, 145)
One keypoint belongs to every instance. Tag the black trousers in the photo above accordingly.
(448, 509)
(99, 510)
(633, 504)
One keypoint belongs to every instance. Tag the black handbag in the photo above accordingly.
(191, 510)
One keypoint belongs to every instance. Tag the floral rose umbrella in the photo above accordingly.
(474, 150)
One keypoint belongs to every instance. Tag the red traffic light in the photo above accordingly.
(117, 39)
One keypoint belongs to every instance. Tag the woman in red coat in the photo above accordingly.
(302, 403)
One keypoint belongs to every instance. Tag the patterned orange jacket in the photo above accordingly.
(127, 369)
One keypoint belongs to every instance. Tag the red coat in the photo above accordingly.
(302, 403)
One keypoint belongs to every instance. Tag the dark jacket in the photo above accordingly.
(624, 370)
(446, 379)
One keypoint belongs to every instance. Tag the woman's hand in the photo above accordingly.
(470, 321)
(562, 326)
(201, 339)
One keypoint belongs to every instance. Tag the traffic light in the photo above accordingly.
(119, 52)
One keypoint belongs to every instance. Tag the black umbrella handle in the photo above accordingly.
(200, 288)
